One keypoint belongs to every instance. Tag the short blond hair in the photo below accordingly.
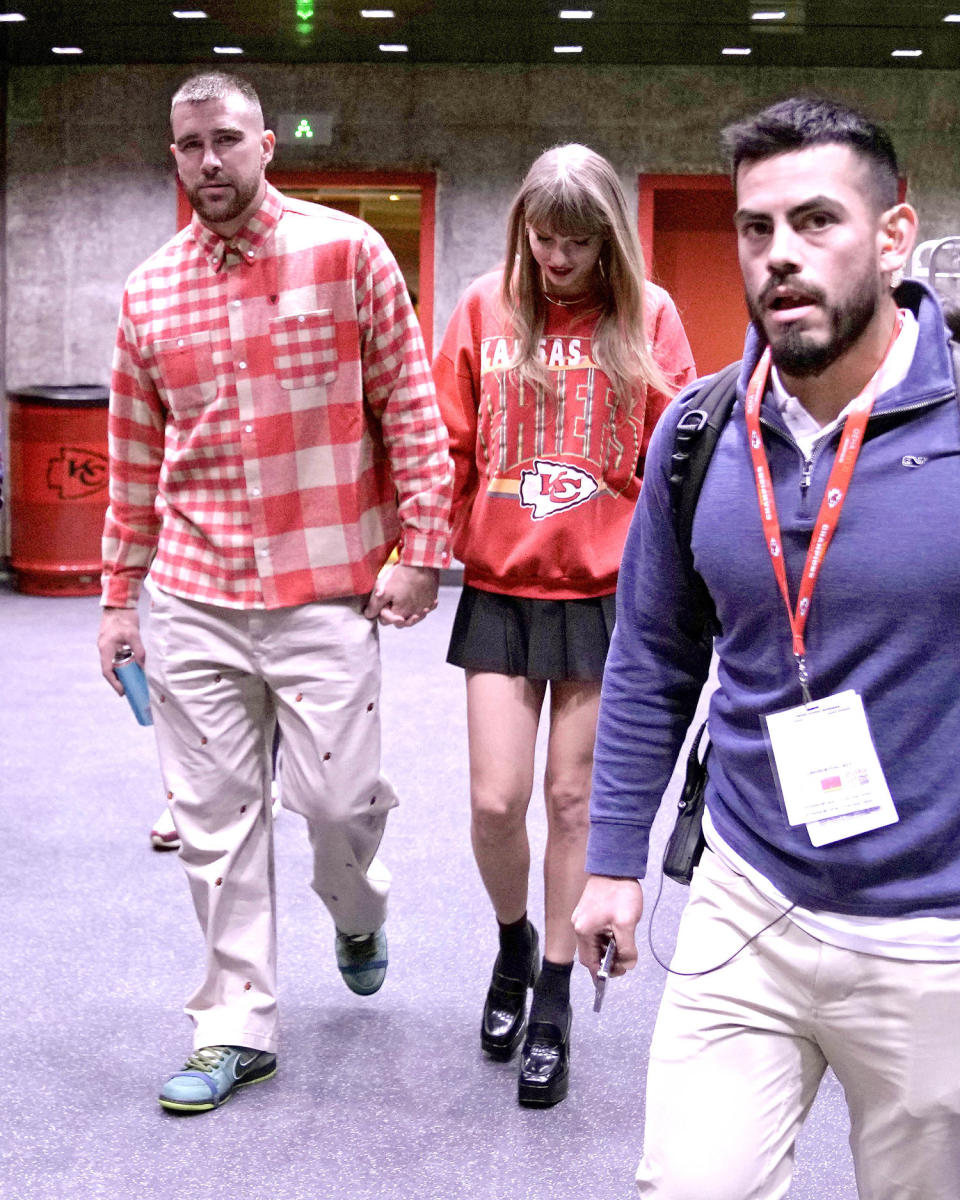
(214, 85)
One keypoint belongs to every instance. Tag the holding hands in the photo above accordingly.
(403, 595)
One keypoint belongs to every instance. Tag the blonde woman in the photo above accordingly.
(551, 377)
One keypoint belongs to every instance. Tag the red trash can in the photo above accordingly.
(58, 475)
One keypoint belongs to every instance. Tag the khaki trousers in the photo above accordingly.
(219, 681)
(738, 1055)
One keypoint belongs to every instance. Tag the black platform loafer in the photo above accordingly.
(505, 1009)
(545, 1064)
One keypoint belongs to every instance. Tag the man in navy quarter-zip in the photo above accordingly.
(827, 536)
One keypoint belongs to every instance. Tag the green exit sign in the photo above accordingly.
(302, 130)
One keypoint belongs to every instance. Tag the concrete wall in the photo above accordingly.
(90, 188)
(90, 185)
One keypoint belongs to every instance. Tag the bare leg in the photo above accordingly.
(573, 727)
(503, 712)
(545, 1058)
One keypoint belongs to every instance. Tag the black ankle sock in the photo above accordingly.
(551, 994)
(515, 943)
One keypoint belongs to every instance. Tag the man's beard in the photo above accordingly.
(220, 214)
(799, 352)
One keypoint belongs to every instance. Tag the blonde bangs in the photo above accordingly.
(565, 210)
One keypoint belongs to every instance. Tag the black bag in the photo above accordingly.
(686, 843)
(696, 438)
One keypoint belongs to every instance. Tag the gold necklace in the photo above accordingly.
(565, 303)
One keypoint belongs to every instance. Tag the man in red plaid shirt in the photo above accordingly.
(273, 435)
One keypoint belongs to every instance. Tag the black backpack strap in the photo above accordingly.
(696, 437)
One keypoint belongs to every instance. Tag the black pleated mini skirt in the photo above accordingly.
(537, 639)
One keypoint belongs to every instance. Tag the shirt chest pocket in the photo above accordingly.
(305, 349)
(187, 373)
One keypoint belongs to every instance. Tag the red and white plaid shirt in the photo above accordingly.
(273, 426)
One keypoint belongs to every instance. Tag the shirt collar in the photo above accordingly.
(247, 242)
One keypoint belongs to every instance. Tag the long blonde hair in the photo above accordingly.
(570, 191)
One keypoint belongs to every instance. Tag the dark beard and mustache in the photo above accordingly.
(221, 215)
(796, 351)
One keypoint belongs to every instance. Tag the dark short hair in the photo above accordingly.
(214, 85)
(805, 121)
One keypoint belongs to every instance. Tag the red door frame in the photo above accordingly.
(318, 177)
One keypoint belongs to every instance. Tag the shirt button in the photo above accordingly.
(301, 319)
(249, 254)
(235, 303)
(242, 365)
(254, 491)
(179, 341)
(248, 429)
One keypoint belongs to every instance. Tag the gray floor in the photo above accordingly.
(386, 1097)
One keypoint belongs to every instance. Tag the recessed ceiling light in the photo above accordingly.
(736, 50)
(66, 49)
(769, 15)
(905, 53)
(576, 14)
(568, 49)
(952, 17)
(12, 17)
(377, 14)
(228, 49)
(394, 48)
(189, 14)
(393, 196)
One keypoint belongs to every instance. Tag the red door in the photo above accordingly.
(686, 229)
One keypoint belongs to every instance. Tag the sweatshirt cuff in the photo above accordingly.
(618, 849)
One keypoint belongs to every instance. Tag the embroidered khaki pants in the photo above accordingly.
(219, 680)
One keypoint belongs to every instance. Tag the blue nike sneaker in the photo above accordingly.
(211, 1075)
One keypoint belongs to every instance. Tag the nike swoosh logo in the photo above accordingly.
(240, 1063)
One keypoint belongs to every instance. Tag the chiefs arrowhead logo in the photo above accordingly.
(77, 473)
(553, 487)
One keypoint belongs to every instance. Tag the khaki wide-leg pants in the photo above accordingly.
(219, 680)
(738, 1055)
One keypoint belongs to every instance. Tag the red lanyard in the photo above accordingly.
(830, 507)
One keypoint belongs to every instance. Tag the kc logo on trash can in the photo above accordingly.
(77, 473)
